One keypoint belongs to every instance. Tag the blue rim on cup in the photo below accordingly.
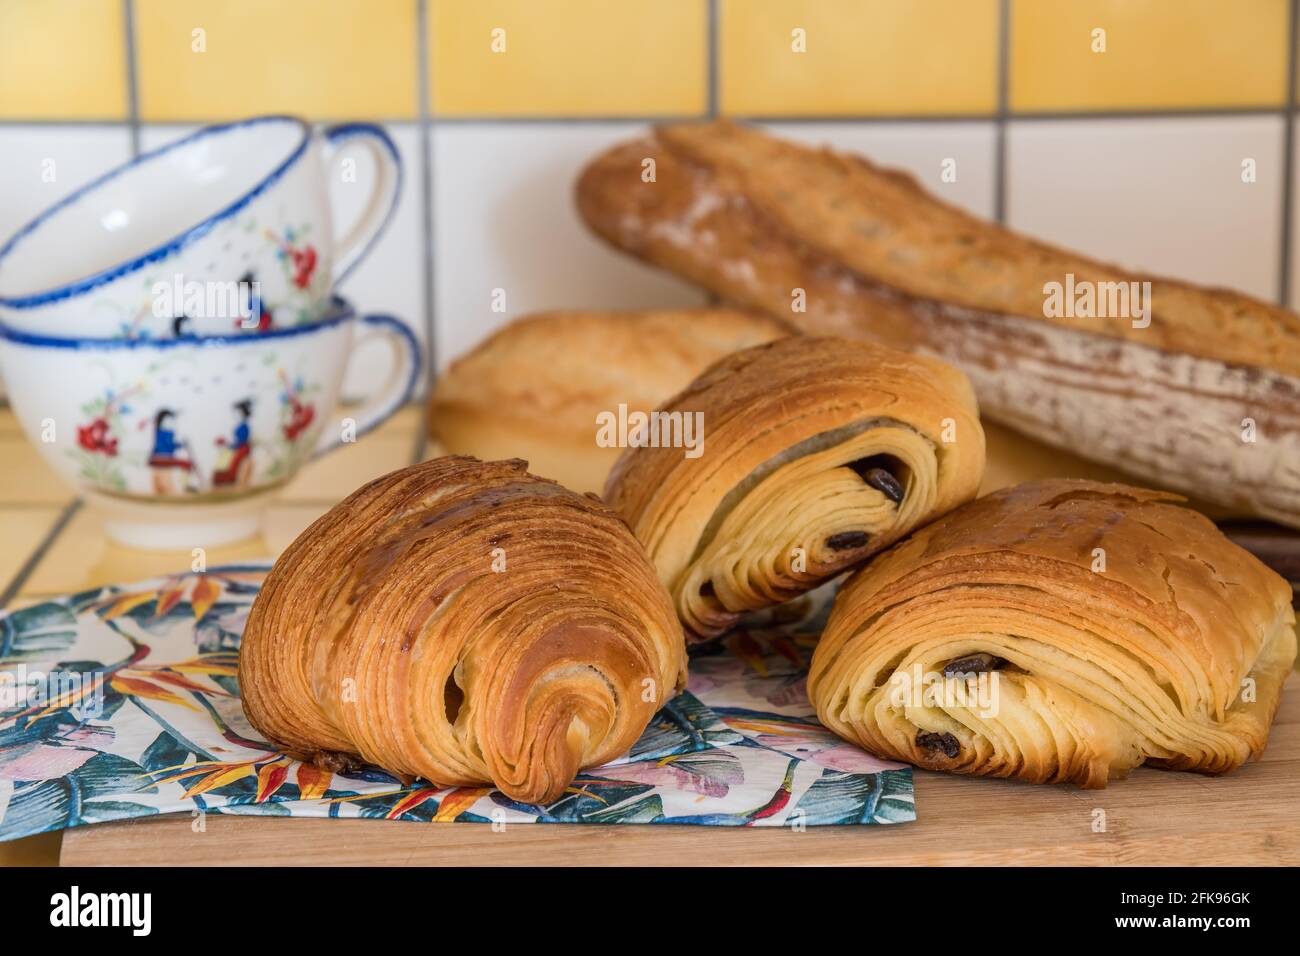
(176, 243)
(220, 160)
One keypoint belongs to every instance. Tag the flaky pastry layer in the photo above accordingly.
(1059, 631)
(817, 453)
(466, 623)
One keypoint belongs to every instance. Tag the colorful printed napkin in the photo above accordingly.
(123, 702)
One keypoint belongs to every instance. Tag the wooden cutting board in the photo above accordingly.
(1154, 817)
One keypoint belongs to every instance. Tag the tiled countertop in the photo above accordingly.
(52, 545)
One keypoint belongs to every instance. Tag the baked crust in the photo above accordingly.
(787, 492)
(466, 623)
(1204, 400)
(883, 226)
(1123, 629)
(534, 388)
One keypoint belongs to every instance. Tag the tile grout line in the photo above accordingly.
(425, 125)
(132, 79)
(1000, 130)
(711, 37)
(1288, 163)
(33, 561)
(711, 59)
(1031, 116)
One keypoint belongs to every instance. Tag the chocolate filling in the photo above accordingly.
(452, 698)
(945, 742)
(974, 664)
(809, 446)
(878, 471)
(847, 540)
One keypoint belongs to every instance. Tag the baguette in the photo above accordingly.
(1204, 397)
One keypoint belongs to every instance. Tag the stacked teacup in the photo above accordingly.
(169, 334)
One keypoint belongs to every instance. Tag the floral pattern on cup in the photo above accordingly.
(148, 429)
(142, 427)
(295, 292)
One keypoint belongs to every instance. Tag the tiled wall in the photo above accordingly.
(1134, 154)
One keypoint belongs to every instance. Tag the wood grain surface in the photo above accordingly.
(1152, 818)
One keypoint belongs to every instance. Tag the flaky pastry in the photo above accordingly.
(466, 623)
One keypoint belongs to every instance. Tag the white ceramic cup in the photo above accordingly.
(182, 441)
(226, 231)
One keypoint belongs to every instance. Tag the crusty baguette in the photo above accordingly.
(754, 218)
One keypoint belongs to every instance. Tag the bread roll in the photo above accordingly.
(1082, 628)
(1205, 398)
(466, 623)
(816, 453)
(534, 389)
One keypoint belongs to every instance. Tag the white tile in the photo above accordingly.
(505, 219)
(1160, 195)
(39, 165)
(389, 278)
(923, 149)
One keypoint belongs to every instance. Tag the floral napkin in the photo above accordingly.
(123, 702)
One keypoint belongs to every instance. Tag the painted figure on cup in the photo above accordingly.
(234, 461)
(169, 459)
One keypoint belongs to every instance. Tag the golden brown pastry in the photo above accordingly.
(817, 453)
(1067, 631)
(464, 622)
(535, 388)
(1201, 394)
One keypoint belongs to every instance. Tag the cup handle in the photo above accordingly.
(351, 248)
(389, 397)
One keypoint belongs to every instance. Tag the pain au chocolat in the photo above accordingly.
(816, 453)
(1107, 625)
(1198, 390)
(536, 388)
(466, 623)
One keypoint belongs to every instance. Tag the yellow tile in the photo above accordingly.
(25, 478)
(570, 58)
(406, 421)
(81, 557)
(62, 59)
(348, 58)
(343, 471)
(871, 57)
(42, 850)
(9, 424)
(1159, 54)
(22, 530)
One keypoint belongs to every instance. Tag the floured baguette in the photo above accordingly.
(1204, 398)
